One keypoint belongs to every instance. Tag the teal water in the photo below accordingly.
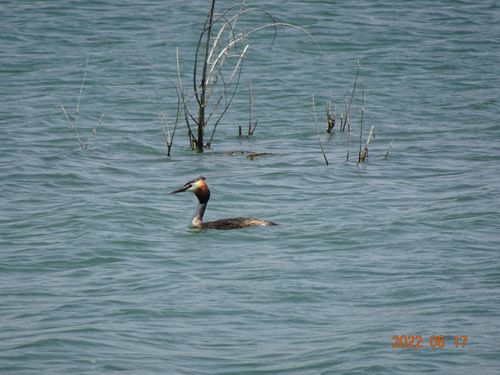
(99, 272)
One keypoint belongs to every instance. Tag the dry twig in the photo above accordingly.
(75, 123)
(330, 117)
(317, 131)
(364, 152)
(388, 151)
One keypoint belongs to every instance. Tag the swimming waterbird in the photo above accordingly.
(200, 188)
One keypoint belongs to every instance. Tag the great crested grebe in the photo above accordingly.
(200, 188)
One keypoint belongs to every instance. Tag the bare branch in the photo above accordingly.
(353, 91)
(361, 124)
(317, 131)
(81, 93)
(388, 151)
(250, 102)
(364, 152)
(187, 114)
(225, 87)
(227, 105)
(330, 117)
(74, 125)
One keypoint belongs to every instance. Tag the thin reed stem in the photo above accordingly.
(75, 124)
(388, 151)
(317, 131)
(364, 152)
(330, 117)
(250, 104)
(361, 124)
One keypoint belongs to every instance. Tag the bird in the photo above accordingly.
(200, 188)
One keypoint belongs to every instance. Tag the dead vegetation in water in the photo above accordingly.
(251, 124)
(168, 130)
(214, 81)
(221, 50)
(346, 124)
(74, 121)
(250, 155)
(386, 157)
(330, 117)
(317, 132)
(363, 154)
(360, 158)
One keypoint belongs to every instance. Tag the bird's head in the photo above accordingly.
(198, 186)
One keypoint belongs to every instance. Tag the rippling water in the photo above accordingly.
(99, 271)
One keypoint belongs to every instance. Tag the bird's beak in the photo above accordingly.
(182, 189)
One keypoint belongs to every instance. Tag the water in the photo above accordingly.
(99, 272)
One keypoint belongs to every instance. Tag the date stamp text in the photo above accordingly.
(433, 342)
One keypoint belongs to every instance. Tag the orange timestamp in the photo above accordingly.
(434, 342)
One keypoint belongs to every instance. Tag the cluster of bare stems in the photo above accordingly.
(74, 121)
(217, 68)
(221, 49)
(346, 125)
(168, 130)
(251, 125)
(220, 52)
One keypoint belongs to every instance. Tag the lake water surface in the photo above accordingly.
(99, 271)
